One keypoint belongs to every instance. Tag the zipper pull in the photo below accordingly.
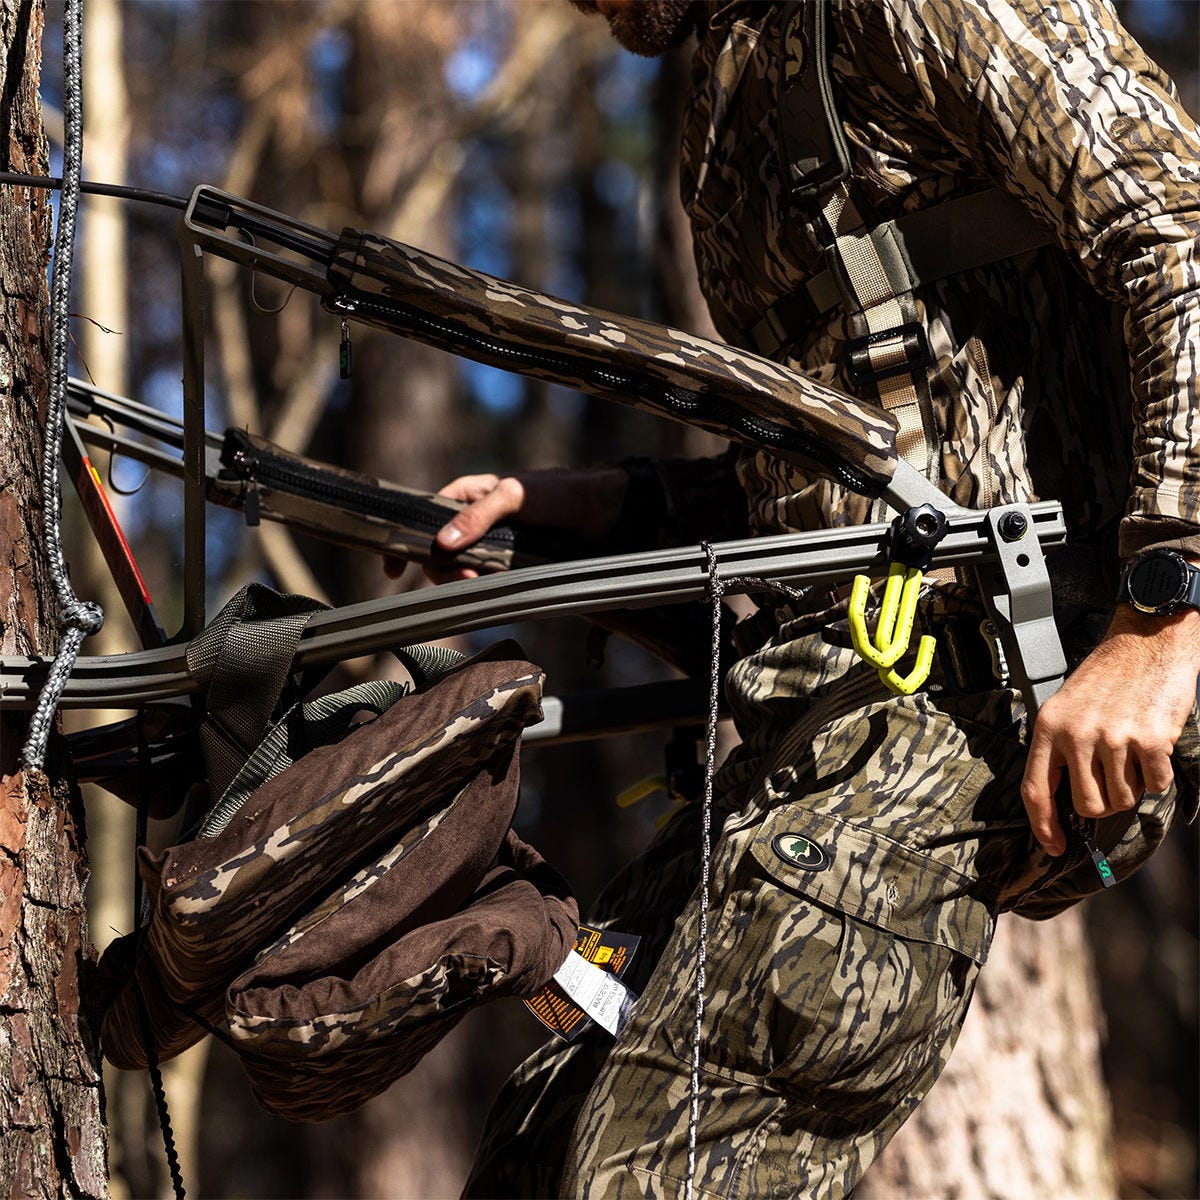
(251, 505)
(345, 351)
(1098, 857)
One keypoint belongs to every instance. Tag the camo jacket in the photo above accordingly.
(1068, 372)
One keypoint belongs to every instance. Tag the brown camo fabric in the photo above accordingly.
(340, 820)
(1067, 373)
(622, 358)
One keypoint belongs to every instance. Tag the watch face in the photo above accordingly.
(1158, 581)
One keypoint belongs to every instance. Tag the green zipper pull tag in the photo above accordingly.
(345, 351)
(1098, 857)
(251, 505)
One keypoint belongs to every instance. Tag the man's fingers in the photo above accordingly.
(450, 575)
(503, 500)
(1042, 776)
(1086, 773)
(469, 488)
(1157, 772)
(1122, 783)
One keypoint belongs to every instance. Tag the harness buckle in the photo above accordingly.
(888, 352)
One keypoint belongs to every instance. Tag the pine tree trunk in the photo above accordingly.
(1021, 1109)
(52, 1138)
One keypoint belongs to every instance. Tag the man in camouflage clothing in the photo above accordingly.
(869, 840)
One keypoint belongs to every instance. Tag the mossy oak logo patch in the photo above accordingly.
(796, 850)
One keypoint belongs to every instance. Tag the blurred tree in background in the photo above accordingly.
(513, 136)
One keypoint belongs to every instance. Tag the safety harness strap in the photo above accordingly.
(890, 353)
(918, 248)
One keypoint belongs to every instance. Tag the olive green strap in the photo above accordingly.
(242, 660)
(302, 728)
(921, 247)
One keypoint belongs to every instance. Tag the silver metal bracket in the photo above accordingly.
(1015, 586)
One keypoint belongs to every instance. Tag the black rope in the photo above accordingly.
(145, 760)
(90, 188)
(160, 1096)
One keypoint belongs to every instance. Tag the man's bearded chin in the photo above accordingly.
(649, 27)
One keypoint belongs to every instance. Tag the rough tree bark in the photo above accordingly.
(52, 1138)
(1021, 1109)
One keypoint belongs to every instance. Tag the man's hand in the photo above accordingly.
(584, 502)
(1113, 724)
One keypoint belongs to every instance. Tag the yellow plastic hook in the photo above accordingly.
(907, 684)
(897, 616)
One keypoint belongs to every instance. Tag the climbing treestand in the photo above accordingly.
(170, 988)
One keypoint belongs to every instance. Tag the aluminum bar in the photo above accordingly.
(191, 272)
(538, 593)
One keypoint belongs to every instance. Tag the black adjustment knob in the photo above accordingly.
(1012, 526)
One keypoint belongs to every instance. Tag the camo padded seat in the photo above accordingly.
(705, 383)
(362, 880)
(364, 1028)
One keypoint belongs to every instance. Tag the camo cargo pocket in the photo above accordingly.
(845, 962)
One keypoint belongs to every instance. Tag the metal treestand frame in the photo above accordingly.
(1004, 545)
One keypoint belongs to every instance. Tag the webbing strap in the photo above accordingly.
(320, 722)
(243, 660)
(920, 247)
(883, 354)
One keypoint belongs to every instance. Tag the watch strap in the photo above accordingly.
(1191, 597)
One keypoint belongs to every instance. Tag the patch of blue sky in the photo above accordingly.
(566, 281)
(564, 216)
(499, 393)
(328, 58)
(1157, 18)
(623, 84)
(224, 538)
(161, 389)
(470, 69)
(565, 402)
(485, 220)
(617, 184)
(482, 46)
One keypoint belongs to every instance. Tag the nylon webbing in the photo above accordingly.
(310, 724)
(885, 313)
(921, 247)
(243, 660)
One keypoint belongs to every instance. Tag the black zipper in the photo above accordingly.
(680, 402)
(1081, 845)
(258, 466)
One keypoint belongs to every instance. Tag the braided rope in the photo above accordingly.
(77, 618)
(717, 588)
(141, 918)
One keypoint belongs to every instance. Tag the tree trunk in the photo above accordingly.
(1021, 1109)
(52, 1137)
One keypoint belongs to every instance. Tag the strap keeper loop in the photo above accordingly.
(888, 352)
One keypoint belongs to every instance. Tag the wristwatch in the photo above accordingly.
(1160, 582)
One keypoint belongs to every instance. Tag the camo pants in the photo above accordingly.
(868, 842)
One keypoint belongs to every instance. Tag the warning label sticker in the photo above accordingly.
(562, 1014)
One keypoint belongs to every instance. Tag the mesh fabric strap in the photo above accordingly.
(243, 660)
